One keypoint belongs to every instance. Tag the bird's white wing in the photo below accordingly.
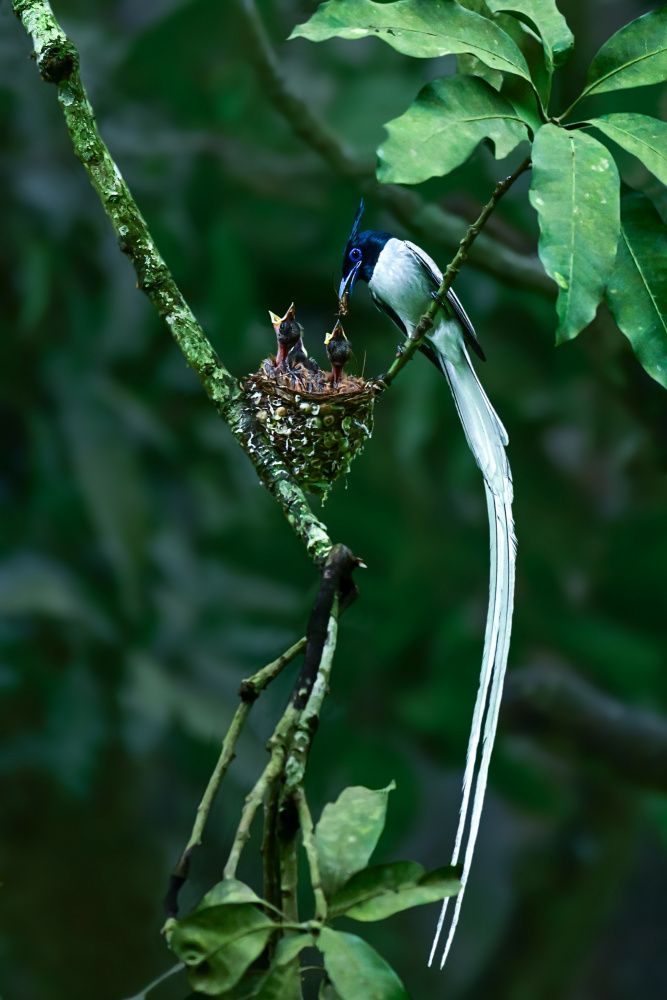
(434, 273)
(487, 438)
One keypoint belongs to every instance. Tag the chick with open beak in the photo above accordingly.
(339, 351)
(291, 349)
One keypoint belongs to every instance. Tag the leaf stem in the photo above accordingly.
(426, 322)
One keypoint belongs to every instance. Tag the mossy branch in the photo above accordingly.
(58, 62)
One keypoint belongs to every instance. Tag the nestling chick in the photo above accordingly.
(339, 351)
(291, 350)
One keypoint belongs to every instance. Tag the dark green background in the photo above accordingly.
(144, 572)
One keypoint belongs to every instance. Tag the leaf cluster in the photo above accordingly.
(594, 243)
(237, 945)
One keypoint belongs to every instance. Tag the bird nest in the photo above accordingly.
(317, 427)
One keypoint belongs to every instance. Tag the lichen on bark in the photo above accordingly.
(58, 62)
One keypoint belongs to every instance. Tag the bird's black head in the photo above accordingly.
(361, 254)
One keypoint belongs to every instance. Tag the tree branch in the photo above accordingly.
(551, 702)
(58, 62)
(426, 221)
(427, 320)
(250, 690)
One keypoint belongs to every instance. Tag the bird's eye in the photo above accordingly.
(355, 254)
(284, 326)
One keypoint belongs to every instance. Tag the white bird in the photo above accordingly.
(402, 280)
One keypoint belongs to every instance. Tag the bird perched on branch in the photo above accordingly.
(339, 351)
(403, 280)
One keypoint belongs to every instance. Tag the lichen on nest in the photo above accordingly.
(318, 421)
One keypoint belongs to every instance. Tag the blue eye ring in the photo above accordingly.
(355, 254)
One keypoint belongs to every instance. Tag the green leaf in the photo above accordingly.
(467, 65)
(378, 892)
(348, 832)
(276, 986)
(442, 127)
(575, 191)
(289, 947)
(545, 19)
(421, 28)
(356, 970)
(219, 943)
(637, 291)
(641, 135)
(633, 57)
(230, 890)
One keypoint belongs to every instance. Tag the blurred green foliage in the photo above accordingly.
(144, 572)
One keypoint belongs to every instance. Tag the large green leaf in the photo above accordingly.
(575, 189)
(545, 18)
(641, 135)
(356, 970)
(422, 28)
(637, 291)
(382, 890)
(348, 832)
(442, 127)
(219, 943)
(633, 57)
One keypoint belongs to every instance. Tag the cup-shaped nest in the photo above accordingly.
(316, 427)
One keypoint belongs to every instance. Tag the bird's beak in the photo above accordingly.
(336, 334)
(346, 286)
(277, 320)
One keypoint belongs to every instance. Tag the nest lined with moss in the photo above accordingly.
(316, 427)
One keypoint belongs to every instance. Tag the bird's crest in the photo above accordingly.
(357, 221)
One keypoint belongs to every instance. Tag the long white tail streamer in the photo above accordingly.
(487, 439)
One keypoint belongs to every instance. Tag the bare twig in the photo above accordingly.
(426, 322)
(278, 746)
(249, 691)
(426, 221)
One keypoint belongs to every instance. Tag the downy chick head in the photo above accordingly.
(339, 351)
(289, 334)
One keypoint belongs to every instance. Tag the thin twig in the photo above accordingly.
(249, 691)
(252, 687)
(270, 855)
(309, 717)
(277, 745)
(426, 322)
(308, 833)
(426, 221)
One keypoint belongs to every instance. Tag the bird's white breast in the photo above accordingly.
(399, 280)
